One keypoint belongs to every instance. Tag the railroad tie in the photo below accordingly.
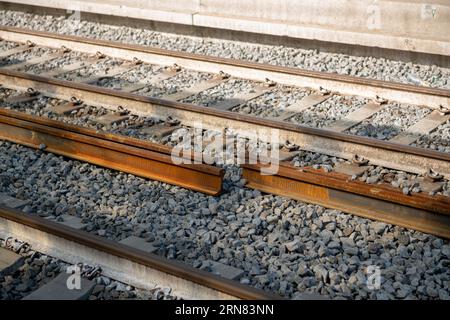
(24, 97)
(111, 118)
(160, 130)
(355, 117)
(421, 128)
(279, 156)
(195, 89)
(223, 270)
(11, 202)
(57, 289)
(139, 243)
(69, 68)
(109, 73)
(351, 169)
(9, 261)
(429, 186)
(70, 221)
(306, 102)
(239, 99)
(16, 50)
(66, 108)
(34, 61)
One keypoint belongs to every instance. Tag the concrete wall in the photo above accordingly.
(405, 17)
(409, 25)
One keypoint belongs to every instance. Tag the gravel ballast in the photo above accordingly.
(284, 246)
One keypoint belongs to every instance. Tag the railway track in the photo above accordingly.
(33, 92)
(327, 141)
(119, 261)
(330, 141)
(419, 211)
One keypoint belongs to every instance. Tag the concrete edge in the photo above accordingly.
(323, 34)
(120, 269)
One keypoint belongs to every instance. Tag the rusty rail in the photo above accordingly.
(422, 212)
(141, 158)
(116, 259)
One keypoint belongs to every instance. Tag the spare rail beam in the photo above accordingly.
(121, 262)
(382, 153)
(422, 212)
(118, 153)
(370, 88)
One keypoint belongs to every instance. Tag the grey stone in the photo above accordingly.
(446, 250)
(378, 227)
(72, 222)
(292, 245)
(321, 273)
(403, 239)
(139, 243)
(333, 245)
(432, 292)
(225, 271)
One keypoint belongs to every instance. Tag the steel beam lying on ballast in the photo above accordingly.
(378, 152)
(419, 211)
(107, 150)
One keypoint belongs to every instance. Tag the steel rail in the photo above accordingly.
(383, 153)
(135, 142)
(404, 93)
(422, 212)
(419, 211)
(114, 152)
(122, 262)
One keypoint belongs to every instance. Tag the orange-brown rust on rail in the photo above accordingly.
(112, 151)
(420, 211)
